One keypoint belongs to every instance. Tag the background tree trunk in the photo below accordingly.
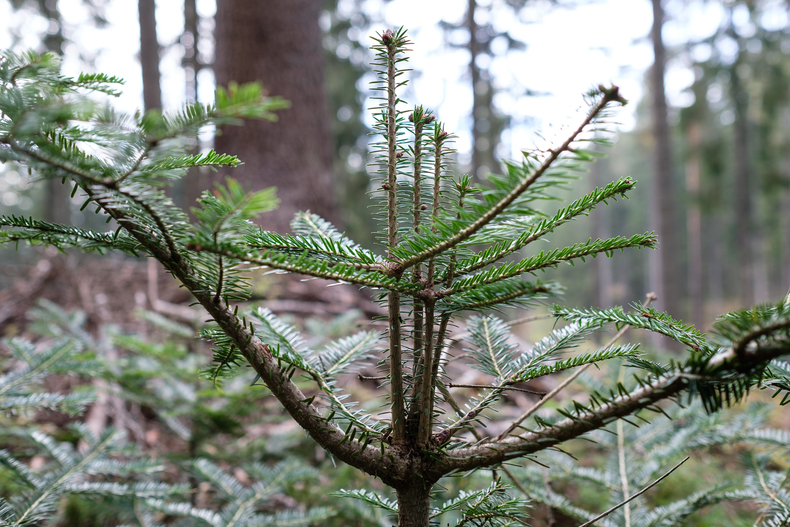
(785, 219)
(694, 227)
(664, 263)
(487, 123)
(149, 55)
(56, 198)
(189, 189)
(278, 42)
(189, 39)
(784, 215)
(744, 234)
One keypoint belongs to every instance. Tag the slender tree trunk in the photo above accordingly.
(192, 186)
(745, 244)
(715, 263)
(278, 42)
(487, 123)
(56, 198)
(694, 227)
(784, 215)
(664, 263)
(474, 71)
(785, 219)
(190, 41)
(414, 504)
(149, 54)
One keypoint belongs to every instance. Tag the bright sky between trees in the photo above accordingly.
(568, 51)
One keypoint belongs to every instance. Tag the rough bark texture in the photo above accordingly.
(278, 42)
(414, 504)
(664, 268)
(785, 211)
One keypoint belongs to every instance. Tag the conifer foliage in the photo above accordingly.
(449, 248)
(105, 468)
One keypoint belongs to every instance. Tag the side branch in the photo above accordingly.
(365, 457)
(609, 96)
(633, 496)
(368, 458)
(326, 269)
(581, 206)
(664, 387)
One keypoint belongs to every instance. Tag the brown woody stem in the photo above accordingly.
(393, 299)
(426, 395)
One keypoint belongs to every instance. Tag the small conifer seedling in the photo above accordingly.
(451, 251)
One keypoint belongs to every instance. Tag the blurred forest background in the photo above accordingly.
(713, 165)
(712, 159)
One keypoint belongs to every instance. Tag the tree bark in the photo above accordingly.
(57, 208)
(784, 215)
(474, 72)
(189, 189)
(192, 65)
(694, 227)
(745, 243)
(785, 219)
(149, 54)
(664, 268)
(414, 504)
(487, 124)
(278, 42)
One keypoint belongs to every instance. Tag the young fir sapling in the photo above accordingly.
(450, 248)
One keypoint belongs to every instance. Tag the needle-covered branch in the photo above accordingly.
(608, 96)
(694, 373)
(580, 207)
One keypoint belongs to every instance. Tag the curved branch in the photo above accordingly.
(664, 387)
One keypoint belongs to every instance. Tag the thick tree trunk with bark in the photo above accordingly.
(664, 263)
(278, 42)
(784, 216)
